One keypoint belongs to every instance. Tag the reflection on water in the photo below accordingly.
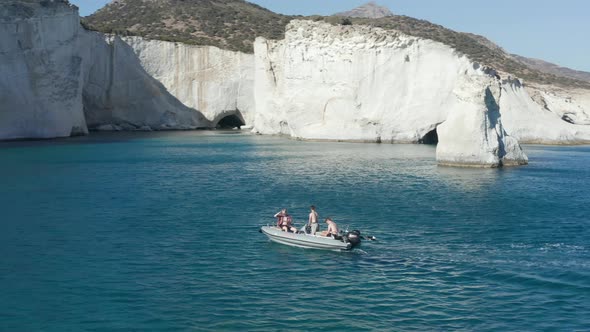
(468, 179)
(359, 164)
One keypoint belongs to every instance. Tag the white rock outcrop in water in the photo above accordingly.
(40, 72)
(473, 135)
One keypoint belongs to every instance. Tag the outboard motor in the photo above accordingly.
(354, 237)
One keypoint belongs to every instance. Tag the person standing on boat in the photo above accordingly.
(332, 228)
(284, 221)
(313, 220)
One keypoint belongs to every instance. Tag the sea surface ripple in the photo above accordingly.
(159, 232)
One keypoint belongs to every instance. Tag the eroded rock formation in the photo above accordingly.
(350, 83)
(40, 71)
(216, 82)
(120, 95)
(473, 134)
(58, 80)
(367, 84)
(353, 83)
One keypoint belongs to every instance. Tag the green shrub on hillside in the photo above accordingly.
(229, 24)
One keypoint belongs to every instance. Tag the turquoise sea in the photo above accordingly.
(159, 232)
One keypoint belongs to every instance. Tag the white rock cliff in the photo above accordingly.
(353, 83)
(350, 83)
(40, 72)
(551, 116)
(367, 84)
(216, 82)
(57, 79)
(119, 94)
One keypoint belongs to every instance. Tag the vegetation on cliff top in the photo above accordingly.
(476, 47)
(228, 24)
(234, 24)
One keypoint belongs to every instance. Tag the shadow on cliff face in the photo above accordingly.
(118, 91)
(493, 108)
(509, 151)
(494, 117)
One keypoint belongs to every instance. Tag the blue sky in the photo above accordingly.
(556, 31)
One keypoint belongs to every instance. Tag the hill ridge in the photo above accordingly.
(369, 10)
(234, 25)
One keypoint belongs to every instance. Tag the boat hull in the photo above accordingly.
(304, 240)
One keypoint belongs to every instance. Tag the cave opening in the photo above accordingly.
(567, 119)
(430, 138)
(230, 122)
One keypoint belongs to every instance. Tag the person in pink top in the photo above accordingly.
(284, 221)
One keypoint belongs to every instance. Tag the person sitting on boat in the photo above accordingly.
(332, 228)
(284, 221)
(313, 221)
